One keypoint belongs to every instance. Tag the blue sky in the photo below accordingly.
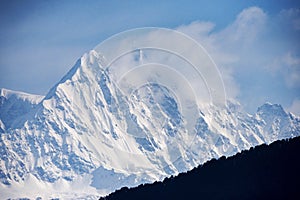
(254, 43)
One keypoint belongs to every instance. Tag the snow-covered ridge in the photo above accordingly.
(14, 105)
(86, 138)
(32, 98)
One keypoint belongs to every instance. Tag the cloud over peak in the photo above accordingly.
(251, 47)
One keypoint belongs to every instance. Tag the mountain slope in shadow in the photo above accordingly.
(263, 172)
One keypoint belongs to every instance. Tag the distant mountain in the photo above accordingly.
(86, 139)
(263, 172)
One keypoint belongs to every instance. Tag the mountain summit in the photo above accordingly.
(86, 139)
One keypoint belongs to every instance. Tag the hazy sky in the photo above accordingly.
(254, 43)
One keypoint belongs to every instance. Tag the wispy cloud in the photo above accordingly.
(291, 17)
(287, 66)
(295, 107)
(259, 60)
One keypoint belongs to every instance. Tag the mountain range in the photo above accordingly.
(86, 139)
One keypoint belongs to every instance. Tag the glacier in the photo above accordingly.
(86, 139)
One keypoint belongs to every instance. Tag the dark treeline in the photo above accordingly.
(263, 172)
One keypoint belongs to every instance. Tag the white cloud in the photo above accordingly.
(295, 107)
(197, 29)
(292, 73)
(225, 46)
(291, 60)
(287, 66)
(291, 17)
(248, 24)
(180, 55)
(244, 48)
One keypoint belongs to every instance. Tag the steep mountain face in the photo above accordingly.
(87, 139)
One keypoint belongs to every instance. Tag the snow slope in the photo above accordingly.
(86, 139)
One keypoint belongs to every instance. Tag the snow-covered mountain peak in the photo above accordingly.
(271, 109)
(85, 69)
(277, 122)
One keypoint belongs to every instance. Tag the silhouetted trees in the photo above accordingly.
(263, 172)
